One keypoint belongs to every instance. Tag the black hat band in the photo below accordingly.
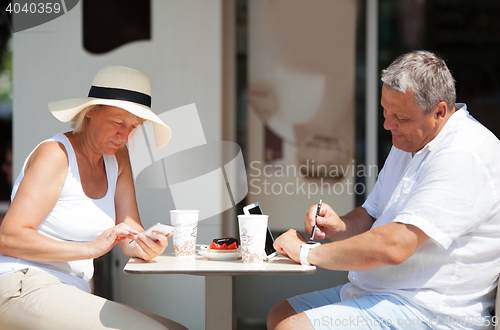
(120, 94)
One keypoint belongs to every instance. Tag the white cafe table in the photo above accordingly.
(220, 279)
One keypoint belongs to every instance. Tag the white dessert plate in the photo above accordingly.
(220, 256)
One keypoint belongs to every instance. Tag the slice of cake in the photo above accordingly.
(224, 245)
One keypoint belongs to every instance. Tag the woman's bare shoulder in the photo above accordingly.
(122, 158)
(50, 153)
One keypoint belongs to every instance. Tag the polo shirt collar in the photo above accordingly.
(460, 113)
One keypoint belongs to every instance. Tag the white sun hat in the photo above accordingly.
(120, 87)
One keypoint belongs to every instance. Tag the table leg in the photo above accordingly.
(220, 302)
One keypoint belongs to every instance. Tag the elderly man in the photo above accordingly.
(423, 250)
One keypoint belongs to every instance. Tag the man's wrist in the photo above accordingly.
(304, 251)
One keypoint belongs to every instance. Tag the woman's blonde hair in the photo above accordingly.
(80, 121)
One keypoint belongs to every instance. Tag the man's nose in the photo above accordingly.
(389, 124)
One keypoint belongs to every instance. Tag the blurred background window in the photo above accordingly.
(5, 110)
(465, 33)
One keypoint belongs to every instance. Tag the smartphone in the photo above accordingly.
(159, 227)
(255, 209)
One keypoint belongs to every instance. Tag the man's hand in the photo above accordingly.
(288, 244)
(328, 222)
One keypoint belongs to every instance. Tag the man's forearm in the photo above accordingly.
(356, 222)
(391, 244)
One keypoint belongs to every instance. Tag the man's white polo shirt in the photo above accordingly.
(450, 190)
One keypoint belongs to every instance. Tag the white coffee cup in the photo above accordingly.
(253, 230)
(185, 224)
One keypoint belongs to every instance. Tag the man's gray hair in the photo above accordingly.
(424, 74)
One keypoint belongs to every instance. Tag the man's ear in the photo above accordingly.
(440, 111)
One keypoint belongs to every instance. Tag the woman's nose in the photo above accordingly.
(123, 134)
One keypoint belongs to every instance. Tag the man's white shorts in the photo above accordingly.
(325, 310)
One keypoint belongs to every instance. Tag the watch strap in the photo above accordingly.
(304, 251)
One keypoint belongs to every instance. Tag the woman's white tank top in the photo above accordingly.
(74, 218)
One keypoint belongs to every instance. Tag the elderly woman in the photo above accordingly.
(72, 202)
